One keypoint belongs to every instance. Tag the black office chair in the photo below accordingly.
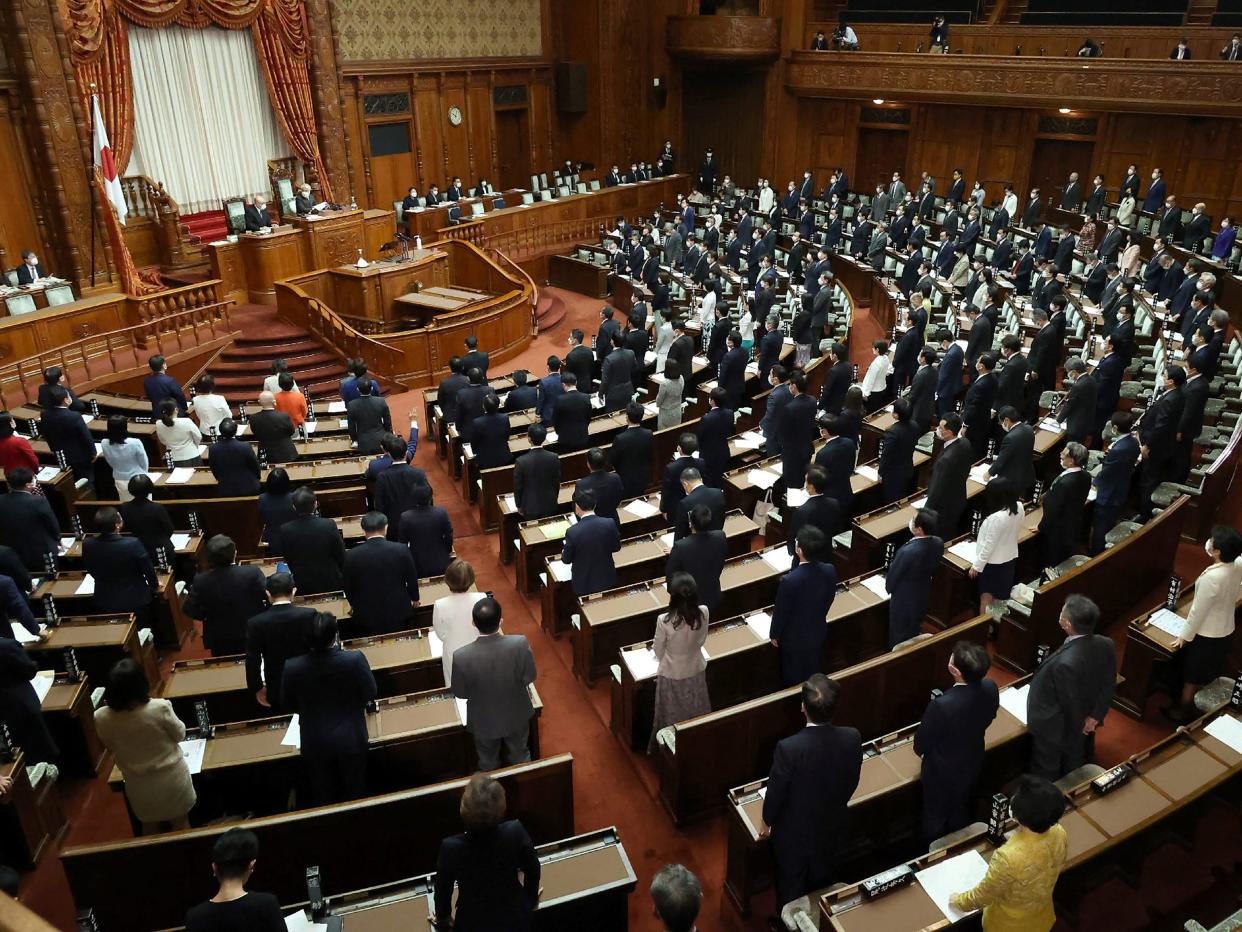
(454, 215)
(498, 204)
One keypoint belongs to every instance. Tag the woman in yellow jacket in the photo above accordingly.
(1016, 893)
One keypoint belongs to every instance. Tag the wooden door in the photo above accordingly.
(880, 153)
(1051, 164)
(512, 149)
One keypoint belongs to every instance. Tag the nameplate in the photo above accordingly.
(891, 879)
(1111, 779)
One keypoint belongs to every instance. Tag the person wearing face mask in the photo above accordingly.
(1204, 643)
(1155, 192)
(909, 577)
(1077, 411)
(946, 491)
(1157, 436)
(1060, 528)
(303, 203)
(1015, 458)
(30, 271)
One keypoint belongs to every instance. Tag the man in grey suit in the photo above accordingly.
(1071, 692)
(492, 675)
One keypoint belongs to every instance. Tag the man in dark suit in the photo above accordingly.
(715, 428)
(1033, 211)
(702, 554)
(695, 493)
(489, 435)
(837, 457)
(446, 394)
(770, 345)
(274, 430)
(125, 580)
(896, 466)
(225, 598)
(160, 385)
(616, 387)
(369, 418)
(979, 341)
(774, 409)
(1094, 278)
(603, 483)
(589, 547)
(814, 774)
(1063, 258)
(977, 407)
(1108, 375)
(1096, 199)
(303, 203)
(313, 546)
(1110, 242)
(1198, 229)
(571, 416)
(803, 598)
(909, 577)
(797, 432)
(428, 532)
(732, 373)
(580, 361)
(1077, 412)
(631, 453)
(537, 477)
(328, 689)
(1190, 424)
(818, 511)
(906, 354)
(1023, 269)
(1071, 692)
(636, 340)
(30, 271)
(1158, 437)
(380, 580)
(397, 483)
(950, 739)
(603, 336)
(1112, 482)
(523, 396)
(949, 374)
(256, 215)
(550, 389)
(54, 376)
(1071, 194)
(1044, 355)
(682, 353)
(837, 380)
(493, 675)
(273, 637)
(66, 432)
(946, 490)
(1011, 380)
(1015, 460)
(1060, 527)
(922, 396)
(233, 463)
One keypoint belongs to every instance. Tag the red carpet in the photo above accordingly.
(205, 227)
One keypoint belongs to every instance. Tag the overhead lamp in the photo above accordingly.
(877, 100)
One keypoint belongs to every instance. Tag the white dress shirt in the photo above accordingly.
(998, 538)
(877, 375)
(211, 410)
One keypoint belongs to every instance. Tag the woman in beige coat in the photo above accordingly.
(144, 736)
(681, 677)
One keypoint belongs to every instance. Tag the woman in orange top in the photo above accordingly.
(15, 450)
(291, 401)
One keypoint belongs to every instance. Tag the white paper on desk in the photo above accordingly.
(966, 549)
(42, 683)
(65, 544)
(752, 368)
(86, 586)
(1169, 622)
(1052, 424)
(180, 541)
(1013, 701)
(919, 503)
(435, 645)
(641, 662)
(180, 475)
(47, 473)
(99, 449)
(761, 624)
(762, 478)
(596, 401)
(561, 571)
(979, 473)
(796, 497)
(551, 437)
(336, 407)
(192, 751)
(511, 502)
(701, 361)
(641, 508)
(1227, 730)
(202, 450)
(309, 426)
(651, 407)
(779, 559)
(667, 540)
(155, 477)
(241, 429)
(22, 636)
(748, 441)
(869, 473)
(88, 418)
(300, 922)
(875, 584)
(343, 423)
(950, 876)
(657, 377)
(293, 734)
(649, 357)
(461, 709)
(962, 343)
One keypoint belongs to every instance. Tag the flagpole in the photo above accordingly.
(90, 183)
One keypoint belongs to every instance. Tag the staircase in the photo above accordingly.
(550, 310)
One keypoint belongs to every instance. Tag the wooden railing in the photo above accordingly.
(164, 304)
(298, 307)
(108, 353)
(149, 199)
(533, 241)
(508, 264)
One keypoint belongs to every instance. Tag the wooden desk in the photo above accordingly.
(30, 817)
(403, 662)
(734, 745)
(366, 297)
(70, 717)
(98, 642)
(373, 841)
(573, 274)
(170, 625)
(585, 882)
(332, 237)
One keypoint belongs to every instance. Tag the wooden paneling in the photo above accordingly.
(18, 230)
(719, 105)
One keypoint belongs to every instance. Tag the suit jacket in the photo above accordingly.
(603, 338)
(908, 583)
(225, 599)
(394, 492)
(631, 456)
(159, 386)
(1011, 383)
(235, 466)
(1095, 201)
(1063, 505)
(125, 580)
(946, 491)
(1155, 197)
(1015, 460)
(381, 584)
(949, 378)
(522, 398)
(797, 437)
(715, 428)
(29, 527)
(303, 204)
(1032, 212)
(1112, 482)
(950, 739)
(817, 511)
(492, 674)
(732, 376)
(1076, 681)
(896, 467)
(814, 774)
(1071, 196)
(26, 277)
(1170, 223)
(702, 555)
(537, 482)
(1064, 256)
(1078, 411)
(923, 396)
(484, 867)
(550, 389)
(589, 546)
(428, 533)
(770, 345)
(315, 552)
(615, 381)
(1194, 398)
(1110, 245)
(257, 219)
(836, 384)
(608, 489)
(571, 416)
(716, 342)
(837, 456)
(1093, 282)
(1158, 428)
(713, 498)
(979, 341)
(490, 440)
(329, 691)
(671, 491)
(1199, 228)
(65, 431)
(581, 362)
(446, 395)
(1044, 356)
(1107, 376)
(803, 598)
(977, 407)
(369, 420)
(149, 522)
(274, 431)
(273, 638)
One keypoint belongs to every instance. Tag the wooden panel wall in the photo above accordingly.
(18, 229)
(440, 150)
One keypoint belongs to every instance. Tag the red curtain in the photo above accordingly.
(109, 72)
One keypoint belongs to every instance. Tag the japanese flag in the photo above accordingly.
(106, 165)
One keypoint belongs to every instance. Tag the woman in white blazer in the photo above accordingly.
(996, 547)
(452, 615)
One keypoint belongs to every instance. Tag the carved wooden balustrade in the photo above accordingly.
(298, 307)
(534, 241)
(147, 198)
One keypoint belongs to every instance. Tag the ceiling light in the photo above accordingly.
(1065, 110)
(877, 100)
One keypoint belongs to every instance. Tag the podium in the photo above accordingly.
(333, 237)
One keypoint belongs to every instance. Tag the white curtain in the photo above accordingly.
(203, 123)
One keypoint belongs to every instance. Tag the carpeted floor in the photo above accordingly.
(612, 786)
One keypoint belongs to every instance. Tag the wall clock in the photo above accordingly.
(454, 116)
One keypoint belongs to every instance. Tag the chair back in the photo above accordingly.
(19, 304)
(59, 294)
